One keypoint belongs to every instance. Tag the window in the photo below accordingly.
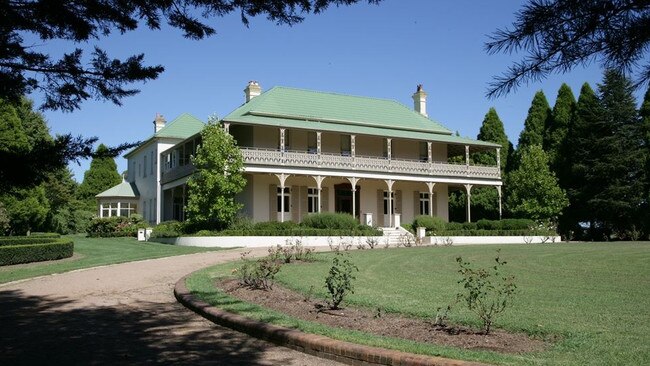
(167, 161)
(424, 151)
(384, 151)
(127, 209)
(188, 149)
(286, 196)
(392, 202)
(345, 145)
(139, 170)
(145, 166)
(424, 203)
(105, 210)
(312, 200)
(312, 147)
(151, 159)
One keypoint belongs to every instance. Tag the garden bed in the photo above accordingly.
(380, 323)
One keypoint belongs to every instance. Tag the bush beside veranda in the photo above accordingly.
(26, 253)
(116, 226)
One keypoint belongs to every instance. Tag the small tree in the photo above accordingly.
(217, 180)
(339, 280)
(533, 189)
(536, 122)
(487, 292)
(101, 176)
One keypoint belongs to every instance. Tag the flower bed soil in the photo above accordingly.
(390, 325)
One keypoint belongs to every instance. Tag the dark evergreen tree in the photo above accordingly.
(536, 121)
(485, 200)
(101, 176)
(644, 114)
(557, 129)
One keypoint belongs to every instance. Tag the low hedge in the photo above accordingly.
(527, 232)
(56, 249)
(116, 226)
(330, 220)
(24, 240)
(46, 235)
(297, 232)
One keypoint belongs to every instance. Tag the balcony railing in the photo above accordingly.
(256, 156)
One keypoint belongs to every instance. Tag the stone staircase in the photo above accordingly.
(396, 236)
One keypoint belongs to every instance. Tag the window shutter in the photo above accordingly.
(379, 219)
(273, 203)
(295, 203)
(324, 195)
(398, 202)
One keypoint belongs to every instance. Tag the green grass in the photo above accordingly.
(92, 252)
(594, 298)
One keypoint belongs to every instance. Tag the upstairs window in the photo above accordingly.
(424, 151)
(312, 147)
(346, 145)
(145, 167)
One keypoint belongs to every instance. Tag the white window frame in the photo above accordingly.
(312, 200)
(424, 203)
(287, 199)
(392, 202)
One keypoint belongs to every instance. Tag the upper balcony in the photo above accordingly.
(330, 161)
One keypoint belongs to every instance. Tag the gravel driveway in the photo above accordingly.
(124, 314)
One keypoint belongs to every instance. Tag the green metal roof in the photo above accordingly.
(181, 127)
(122, 190)
(314, 110)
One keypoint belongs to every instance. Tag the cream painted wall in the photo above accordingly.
(439, 152)
(369, 145)
(265, 137)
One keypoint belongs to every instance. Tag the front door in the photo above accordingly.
(286, 197)
(343, 199)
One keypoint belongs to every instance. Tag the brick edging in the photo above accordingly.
(317, 345)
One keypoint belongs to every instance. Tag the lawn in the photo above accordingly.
(92, 252)
(594, 299)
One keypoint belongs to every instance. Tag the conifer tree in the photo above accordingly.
(644, 113)
(536, 121)
(101, 176)
(557, 128)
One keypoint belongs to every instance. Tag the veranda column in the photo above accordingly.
(101, 210)
(389, 148)
(353, 149)
(468, 188)
(499, 192)
(353, 182)
(283, 178)
(430, 185)
(499, 160)
(390, 183)
(430, 156)
(226, 127)
(467, 157)
(319, 185)
(118, 208)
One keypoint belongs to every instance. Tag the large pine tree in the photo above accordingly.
(101, 176)
(615, 172)
(644, 114)
(557, 128)
(536, 122)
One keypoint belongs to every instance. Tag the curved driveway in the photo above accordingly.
(124, 314)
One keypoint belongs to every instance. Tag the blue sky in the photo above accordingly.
(379, 51)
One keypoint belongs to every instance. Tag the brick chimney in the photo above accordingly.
(420, 101)
(252, 90)
(158, 122)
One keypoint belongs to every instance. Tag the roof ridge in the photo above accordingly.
(333, 93)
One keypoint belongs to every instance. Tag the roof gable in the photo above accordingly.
(181, 127)
(346, 110)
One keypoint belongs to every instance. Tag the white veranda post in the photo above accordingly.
(319, 187)
(390, 183)
(353, 182)
(468, 188)
(283, 178)
(499, 192)
(430, 185)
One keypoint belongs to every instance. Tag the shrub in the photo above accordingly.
(452, 226)
(330, 220)
(517, 224)
(339, 279)
(487, 292)
(24, 240)
(257, 274)
(45, 235)
(431, 223)
(26, 253)
(115, 226)
(488, 224)
(168, 229)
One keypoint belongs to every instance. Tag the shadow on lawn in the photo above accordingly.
(52, 330)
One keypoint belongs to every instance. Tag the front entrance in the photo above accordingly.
(343, 198)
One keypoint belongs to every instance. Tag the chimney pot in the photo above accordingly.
(158, 122)
(252, 90)
(420, 101)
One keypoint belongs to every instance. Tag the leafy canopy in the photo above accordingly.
(101, 176)
(74, 78)
(558, 35)
(217, 180)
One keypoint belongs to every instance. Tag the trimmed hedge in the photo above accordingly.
(428, 222)
(46, 235)
(56, 249)
(330, 220)
(116, 226)
(24, 240)
(298, 232)
(494, 233)
(505, 227)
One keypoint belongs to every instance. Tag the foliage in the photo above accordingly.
(168, 229)
(556, 135)
(27, 253)
(536, 121)
(257, 274)
(533, 189)
(330, 220)
(27, 208)
(101, 176)
(644, 114)
(115, 226)
(492, 130)
(339, 279)
(4, 220)
(430, 223)
(558, 35)
(487, 292)
(72, 79)
(217, 179)
(22, 240)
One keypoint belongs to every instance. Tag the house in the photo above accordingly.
(309, 151)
